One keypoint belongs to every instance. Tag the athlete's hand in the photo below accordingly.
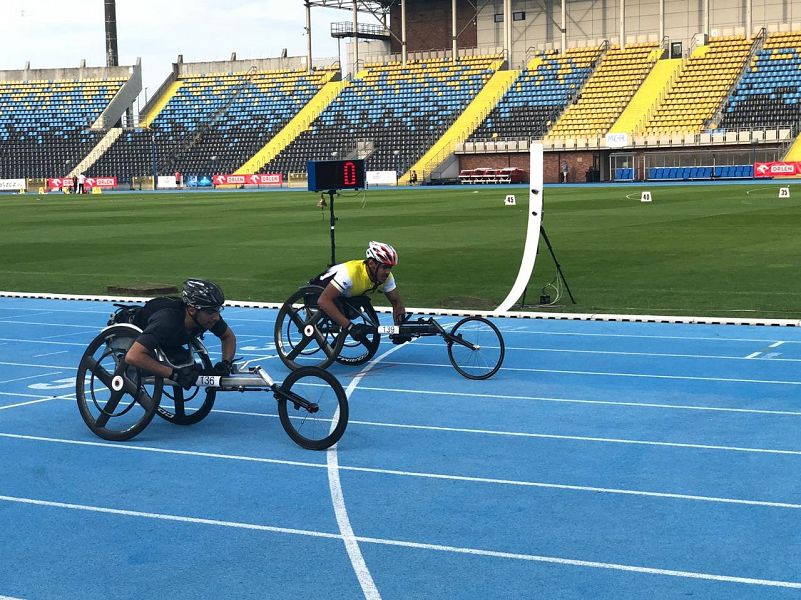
(187, 376)
(224, 367)
(360, 331)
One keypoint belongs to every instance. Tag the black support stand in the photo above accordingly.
(559, 272)
(333, 222)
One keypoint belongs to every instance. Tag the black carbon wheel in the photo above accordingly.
(116, 401)
(323, 425)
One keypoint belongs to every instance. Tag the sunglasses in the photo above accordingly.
(212, 311)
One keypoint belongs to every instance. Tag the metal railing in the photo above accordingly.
(756, 46)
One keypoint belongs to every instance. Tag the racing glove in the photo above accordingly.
(224, 367)
(187, 376)
(359, 331)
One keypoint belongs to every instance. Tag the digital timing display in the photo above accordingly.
(327, 175)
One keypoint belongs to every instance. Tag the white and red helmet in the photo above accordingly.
(383, 253)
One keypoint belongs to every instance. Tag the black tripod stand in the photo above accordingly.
(559, 272)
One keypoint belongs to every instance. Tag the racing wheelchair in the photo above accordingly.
(118, 401)
(305, 335)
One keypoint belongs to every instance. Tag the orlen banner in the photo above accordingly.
(101, 182)
(256, 179)
(777, 169)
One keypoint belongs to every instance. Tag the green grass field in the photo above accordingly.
(704, 250)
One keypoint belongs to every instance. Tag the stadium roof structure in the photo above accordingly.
(371, 6)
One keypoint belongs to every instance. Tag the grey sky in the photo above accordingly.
(59, 33)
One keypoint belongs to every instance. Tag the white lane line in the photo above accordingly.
(418, 474)
(505, 397)
(50, 353)
(49, 343)
(608, 374)
(775, 344)
(37, 366)
(621, 353)
(87, 327)
(28, 403)
(369, 589)
(406, 544)
(40, 375)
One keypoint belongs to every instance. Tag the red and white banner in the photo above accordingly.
(255, 179)
(777, 169)
(66, 182)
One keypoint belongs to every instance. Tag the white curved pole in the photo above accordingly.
(535, 193)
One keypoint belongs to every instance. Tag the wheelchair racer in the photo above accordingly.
(171, 323)
(359, 278)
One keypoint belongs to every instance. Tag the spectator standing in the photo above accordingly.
(81, 184)
(565, 171)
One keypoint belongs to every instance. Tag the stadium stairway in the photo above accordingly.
(298, 124)
(465, 124)
(794, 152)
(647, 98)
(104, 144)
(159, 105)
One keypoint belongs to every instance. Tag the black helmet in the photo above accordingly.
(202, 293)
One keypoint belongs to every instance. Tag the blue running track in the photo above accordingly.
(604, 460)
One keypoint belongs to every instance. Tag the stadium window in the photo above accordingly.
(519, 15)
(499, 17)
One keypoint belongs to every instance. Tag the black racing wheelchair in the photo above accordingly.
(305, 335)
(118, 401)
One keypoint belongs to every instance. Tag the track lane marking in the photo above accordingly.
(406, 544)
(419, 474)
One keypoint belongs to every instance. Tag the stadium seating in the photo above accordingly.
(538, 96)
(768, 95)
(695, 173)
(607, 92)
(702, 85)
(213, 124)
(395, 112)
(44, 125)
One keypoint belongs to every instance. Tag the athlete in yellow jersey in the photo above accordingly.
(360, 278)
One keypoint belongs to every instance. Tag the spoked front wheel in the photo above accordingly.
(116, 401)
(476, 348)
(313, 408)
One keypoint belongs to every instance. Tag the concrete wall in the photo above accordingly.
(428, 25)
(578, 163)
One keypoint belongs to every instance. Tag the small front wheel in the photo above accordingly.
(322, 421)
(476, 348)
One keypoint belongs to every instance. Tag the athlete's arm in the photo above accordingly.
(329, 307)
(398, 308)
(228, 342)
(139, 356)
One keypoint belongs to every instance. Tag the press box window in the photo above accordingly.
(519, 16)
(499, 18)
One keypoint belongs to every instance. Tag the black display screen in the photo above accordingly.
(327, 175)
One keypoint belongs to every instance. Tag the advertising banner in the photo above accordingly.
(267, 179)
(55, 183)
(777, 169)
(382, 178)
(8, 185)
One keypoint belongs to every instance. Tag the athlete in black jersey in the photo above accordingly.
(171, 323)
